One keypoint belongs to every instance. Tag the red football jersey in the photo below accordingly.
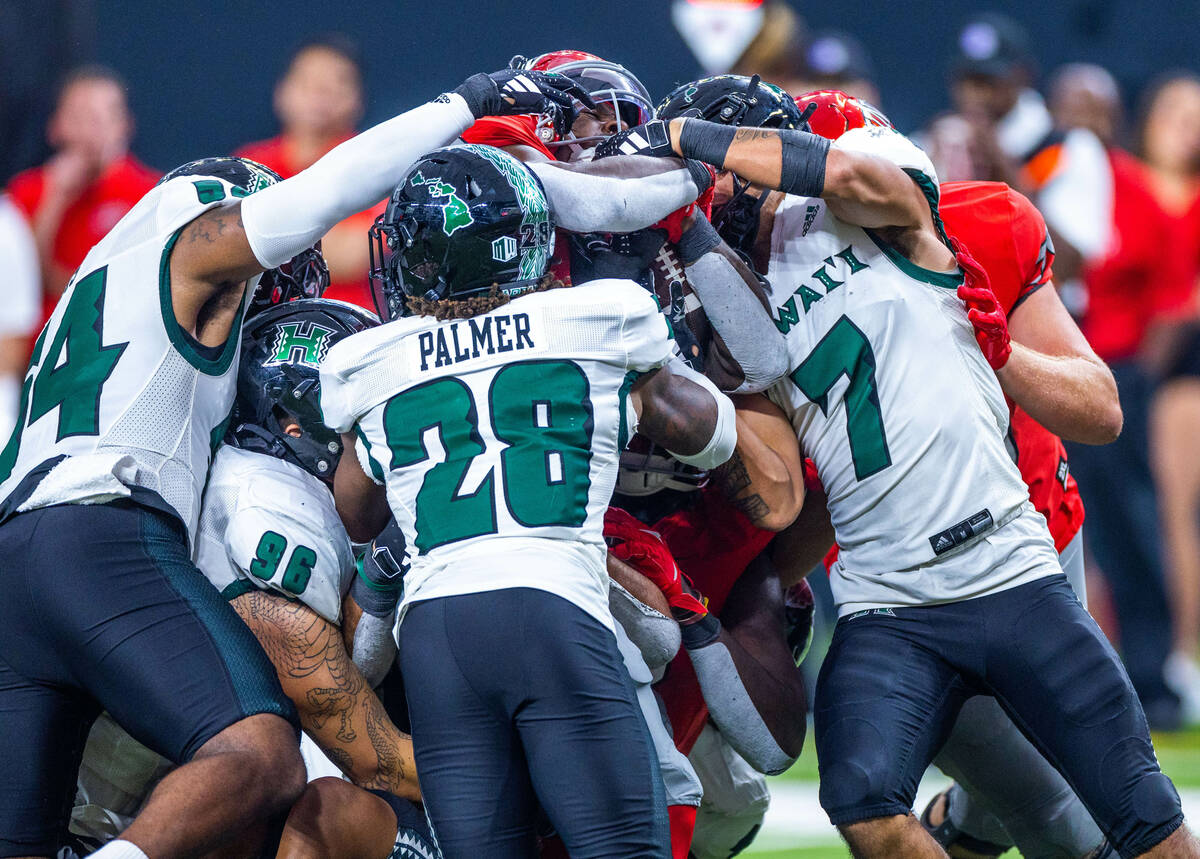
(1006, 234)
(713, 542)
(91, 216)
(274, 153)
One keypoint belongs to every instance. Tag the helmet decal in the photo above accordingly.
(537, 235)
(299, 343)
(456, 214)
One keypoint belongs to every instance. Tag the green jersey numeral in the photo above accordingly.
(74, 387)
(540, 410)
(269, 555)
(845, 351)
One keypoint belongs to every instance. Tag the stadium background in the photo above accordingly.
(201, 76)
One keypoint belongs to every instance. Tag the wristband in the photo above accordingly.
(697, 240)
(706, 141)
(803, 169)
(701, 633)
(702, 174)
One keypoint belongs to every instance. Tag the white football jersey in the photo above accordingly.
(117, 394)
(269, 524)
(498, 436)
(894, 402)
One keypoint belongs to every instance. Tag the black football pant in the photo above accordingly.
(519, 698)
(894, 681)
(102, 608)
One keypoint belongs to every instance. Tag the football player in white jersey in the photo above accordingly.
(489, 422)
(270, 541)
(124, 400)
(948, 584)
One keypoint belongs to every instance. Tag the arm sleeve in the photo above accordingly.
(275, 553)
(584, 203)
(286, 218)
(374, 646)
(733, 711)
(750, 336)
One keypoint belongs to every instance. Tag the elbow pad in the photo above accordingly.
(724, 438)
(655, 635)
(374, 647)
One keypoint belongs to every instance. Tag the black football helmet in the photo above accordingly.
(736, 100)
(303, 276)
(464, 219)
(733, 100)
(282, 349)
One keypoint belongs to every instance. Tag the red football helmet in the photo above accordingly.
(605, 82)
(831, 113)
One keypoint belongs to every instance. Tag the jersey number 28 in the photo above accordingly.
(541, 412)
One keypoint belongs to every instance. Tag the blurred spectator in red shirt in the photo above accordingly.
(319, 101)
(1121, 286)
(1170, 145)
(89, 183)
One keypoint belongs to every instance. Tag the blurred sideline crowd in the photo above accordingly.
(1120, 193)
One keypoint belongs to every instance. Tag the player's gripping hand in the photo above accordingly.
(983, 310)
(644, 550)
(514, 91)
(652, 138)
(380, 580)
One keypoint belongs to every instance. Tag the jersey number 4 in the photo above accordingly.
(540, 410)
(845, 351)
(74, 386)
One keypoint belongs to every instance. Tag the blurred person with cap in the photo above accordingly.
(1004, 131)
(89, 183)
(319, 102)
(1123, 287)
(837, 60)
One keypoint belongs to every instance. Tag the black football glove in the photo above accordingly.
(649, 139)
(515, 91)
(380, 580)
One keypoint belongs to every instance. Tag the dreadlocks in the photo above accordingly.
(476, 305)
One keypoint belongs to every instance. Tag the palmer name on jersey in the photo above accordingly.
(468, 339)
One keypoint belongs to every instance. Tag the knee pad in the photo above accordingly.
(855, 778)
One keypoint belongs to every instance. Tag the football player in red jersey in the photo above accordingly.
(1006, 792)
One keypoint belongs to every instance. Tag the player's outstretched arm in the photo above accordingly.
(1055, 376)
(748, 353)
(686, 414)
(228, 245)
(337, 708)
(765, 476)
(596, 197)
(860, 188)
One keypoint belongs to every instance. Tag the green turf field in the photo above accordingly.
(1179, 754)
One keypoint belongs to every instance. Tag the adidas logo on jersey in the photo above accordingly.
(846, 265)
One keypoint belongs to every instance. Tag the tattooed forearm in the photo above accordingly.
(743, 135)
(337, 708)
(733, 478)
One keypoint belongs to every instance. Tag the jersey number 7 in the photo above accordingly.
(845, 351)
